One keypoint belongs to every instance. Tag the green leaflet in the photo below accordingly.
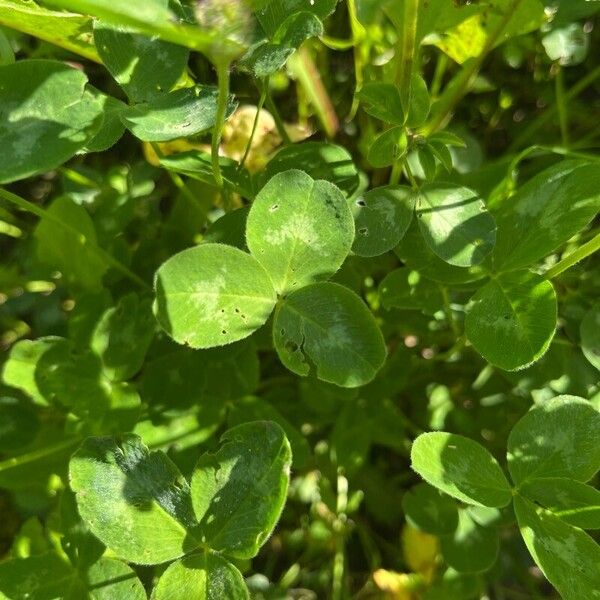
(212, 295)
(19, 423)
(229, 229)
(135, 501)
(460, 467)
(382, 101)
(416, 254)
(182, 113)
(266, 57)
(202, 577)
(433, 16)
(300, 230)
(406, 289)
(155, 19)
(471, 548)
(68, 250)
(48, 577)
(512, 319)
(67, 30)
(327, 326)
(573, 502)
(142, 66)
(186, 377)
(420, 102)
(110, 579)
(19, 370)
(429, 510)
(123, 335)
(453, 586)
(239, 491)
(46, 116)
(73, 380)
(589, 332)
(455, 224)
(567, 556)
(468, 39)
(556, 439)
(381, 218)
(237, 495)
(112, 127)
(388, 147)
(545, 212)
(320, 160)
(52, 372)
(274, 13)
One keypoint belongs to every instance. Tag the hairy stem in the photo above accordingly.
(223, 82)
(582, 252)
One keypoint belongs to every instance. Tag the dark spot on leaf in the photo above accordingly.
(364, 231)
(291, 346)
(360, 202)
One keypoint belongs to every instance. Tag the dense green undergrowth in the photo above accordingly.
(298, 299)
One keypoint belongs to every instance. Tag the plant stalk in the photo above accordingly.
(17, 461)
(223, 83)
(582, 252)
(303, 68)
(261, 102)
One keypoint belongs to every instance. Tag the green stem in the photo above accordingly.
(395, 173)
(405, 50)
(336, 43)
(542, 118)
(409, 174)
(261, 102)
(438, 75)
(360, 55)
(448, 310)
(582, 252)
(304, 70)
(97, 250)
(223, 82)
(17, 461)
(283, 134)
(563, 116)
(462, 82)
